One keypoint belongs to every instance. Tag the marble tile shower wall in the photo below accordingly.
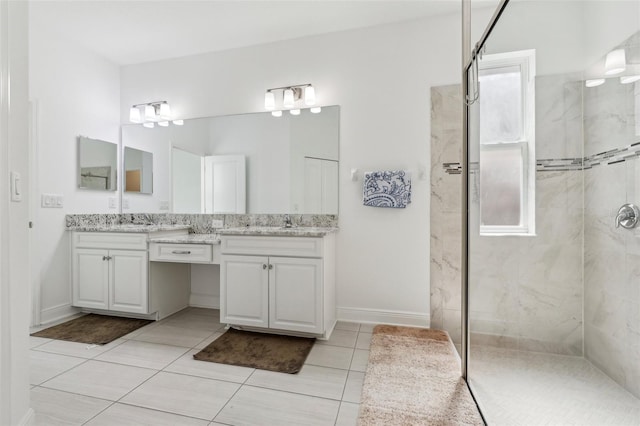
(446, 190)
(526, 292)
(612, 255)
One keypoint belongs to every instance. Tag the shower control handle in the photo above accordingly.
(627, 216)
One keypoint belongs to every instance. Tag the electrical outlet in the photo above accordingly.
(125, 203)
(52, 201)
(164, 205)
(217, 223)
(112, 202)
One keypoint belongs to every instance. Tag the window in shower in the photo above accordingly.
(507, 136)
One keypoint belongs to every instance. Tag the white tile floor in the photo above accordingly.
(149, 377)
(528, 388)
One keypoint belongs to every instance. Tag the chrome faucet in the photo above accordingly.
(287, 221)
(627, 216)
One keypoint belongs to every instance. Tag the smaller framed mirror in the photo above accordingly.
(97, 164)
(138, 171)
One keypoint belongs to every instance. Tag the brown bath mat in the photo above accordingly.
(413, 378)
(284, 354)
(93, 329)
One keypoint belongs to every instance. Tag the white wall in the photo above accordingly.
(76, 93)
(381, 78)
(14, 216)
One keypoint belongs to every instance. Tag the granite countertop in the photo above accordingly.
(128, 228)
(301, 231)
(212, 239)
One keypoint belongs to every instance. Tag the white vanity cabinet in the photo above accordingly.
(279, 284)
(111, 279)
(111, 272)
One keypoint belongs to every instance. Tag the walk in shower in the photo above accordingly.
(553, 264)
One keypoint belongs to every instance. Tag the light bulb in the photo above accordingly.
(288, 101)
(178, 122)
(163, 123)
(594, 83)
(309, 95)
(615, 62)
(629, 79)
(165, 111)
(269, 100)
(148, 125)
(294, 112)
(315, 110)
(149, 112)
(276, 113)
(134, 115)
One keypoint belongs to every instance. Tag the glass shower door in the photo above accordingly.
(553, 149)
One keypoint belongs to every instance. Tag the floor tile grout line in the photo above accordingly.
(292, 392)
(73, 393)
(232, 396)
(161, 411)
(102, 411)
(65, 371)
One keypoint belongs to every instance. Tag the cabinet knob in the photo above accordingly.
(270, 266)
(104, 257)
(264, 266)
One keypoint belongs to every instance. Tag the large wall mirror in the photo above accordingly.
(97, 164)
(248, 163)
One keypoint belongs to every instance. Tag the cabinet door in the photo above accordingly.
(90, 278)
(128, 281)
(295, 299)
(244, 290)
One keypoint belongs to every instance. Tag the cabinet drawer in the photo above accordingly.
(110, 240)
(181, 253)
(272, 246)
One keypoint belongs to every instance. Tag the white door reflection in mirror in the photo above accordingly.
(187, 186)
(225, 184)
(320, 186)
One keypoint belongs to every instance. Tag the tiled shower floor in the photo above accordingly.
(527, 388)
(150, 377)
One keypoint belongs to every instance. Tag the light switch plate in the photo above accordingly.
(217, 223)
(125, 203)
(112, 202)
(16, 187)
(164, 205)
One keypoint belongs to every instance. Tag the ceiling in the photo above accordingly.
(129, 32)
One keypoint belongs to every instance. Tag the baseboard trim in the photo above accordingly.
(28, 417)
(201, 300)
(417, 319)
(56, 313)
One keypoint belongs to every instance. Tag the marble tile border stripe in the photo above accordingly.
(613, 156)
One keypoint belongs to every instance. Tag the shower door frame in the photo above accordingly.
(467, 71)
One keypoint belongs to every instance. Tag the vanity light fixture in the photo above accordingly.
(594, 83)
(615, 63)
(269, 100)
(276, 113)
(154, 112)
(294, 111)
(315, 110)
(291, 95)
(627, 79)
